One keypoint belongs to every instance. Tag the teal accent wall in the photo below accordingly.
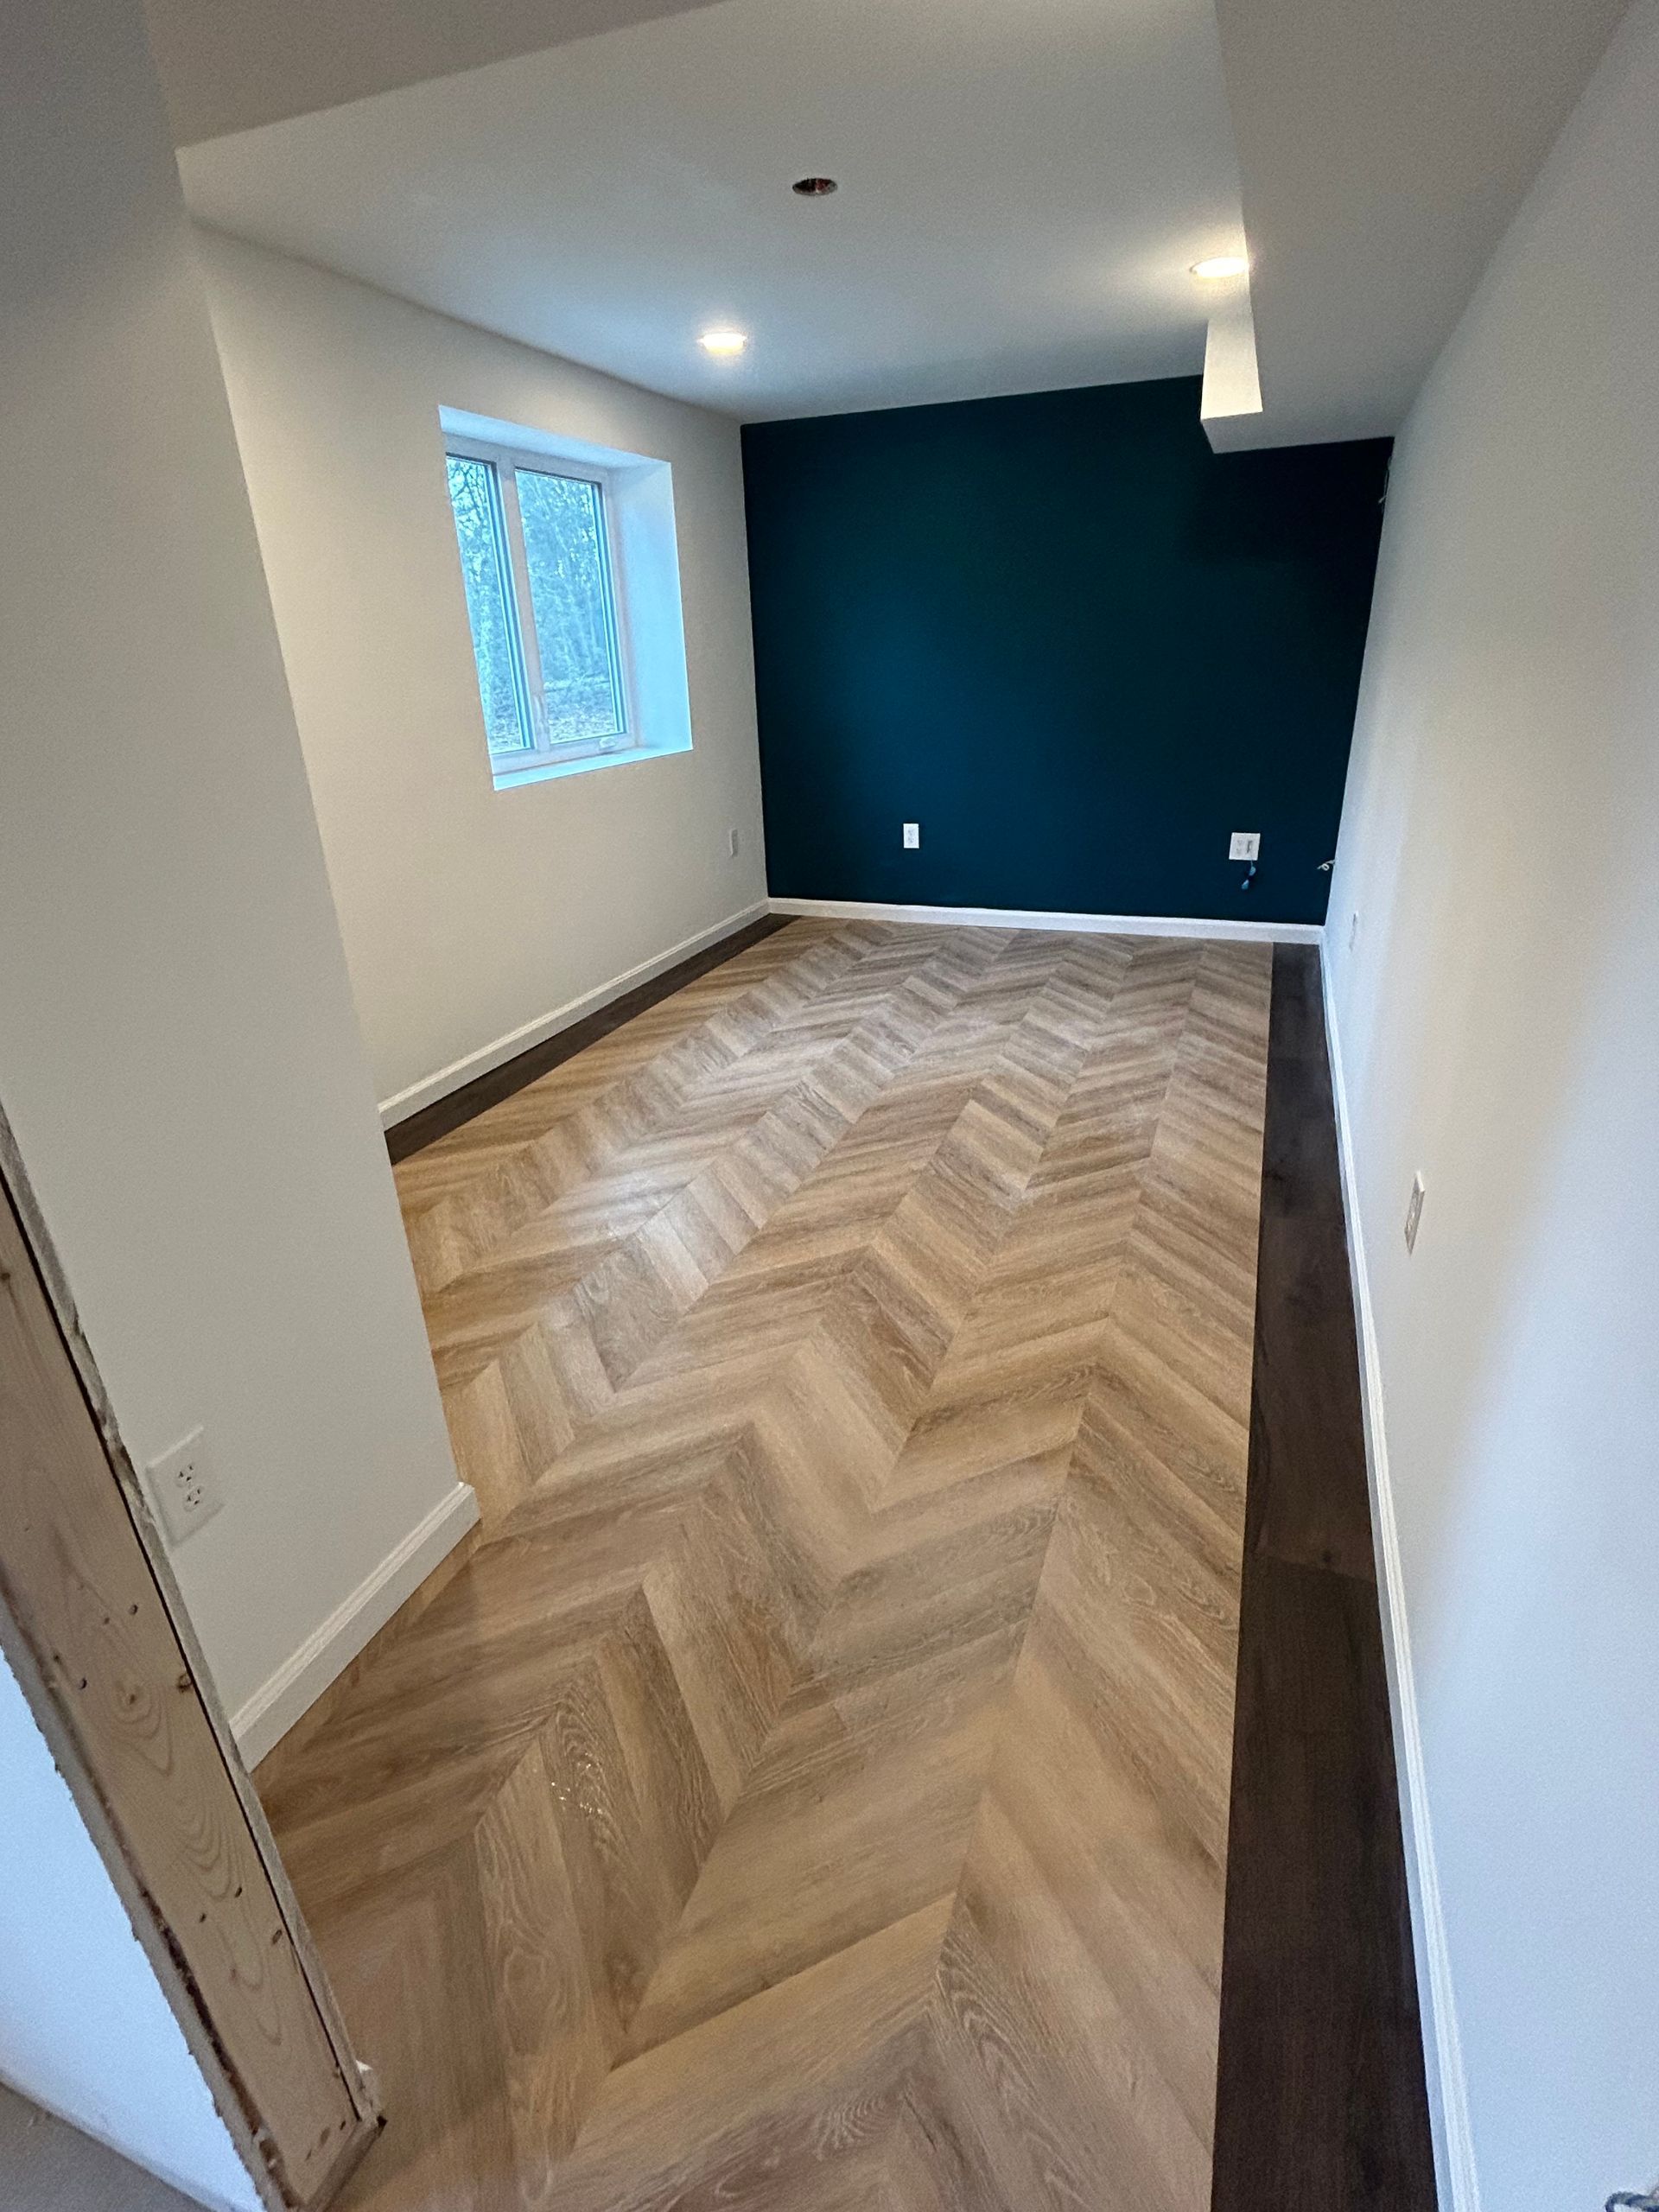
(1072, 642)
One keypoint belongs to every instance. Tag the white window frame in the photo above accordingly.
(523, 763)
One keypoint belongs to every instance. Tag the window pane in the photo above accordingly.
(570, 594)
(475, 498)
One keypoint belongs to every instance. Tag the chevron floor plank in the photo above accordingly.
(811, 1791)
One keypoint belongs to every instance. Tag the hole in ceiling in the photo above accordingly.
(815, 188)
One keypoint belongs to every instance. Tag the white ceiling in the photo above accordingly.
(1025, 182)
(1384, 145)
(1024, 186)
(230, 65)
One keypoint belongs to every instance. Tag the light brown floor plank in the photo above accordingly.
(812, 1791)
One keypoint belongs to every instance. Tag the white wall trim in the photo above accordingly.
(301, 1679)
(1035, 918)
(1457, 2178)
(404, 1103)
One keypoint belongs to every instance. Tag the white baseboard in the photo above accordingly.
(1035, 918)
(301, 1681)
(402, 1103)
(1456, 2175)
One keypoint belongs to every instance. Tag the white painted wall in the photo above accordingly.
(471, 915)
(178, 1051)
(1498, 1020)
(85, 2029)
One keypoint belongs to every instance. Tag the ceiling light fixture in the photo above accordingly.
(815, 188)
(724, 344)
(1222, 265)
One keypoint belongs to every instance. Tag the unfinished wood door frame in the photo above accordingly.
(94, 1627)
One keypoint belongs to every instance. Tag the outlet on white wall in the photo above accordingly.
(1246, 845)
(913, 836)
(184, 1484)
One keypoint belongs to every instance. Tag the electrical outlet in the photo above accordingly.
(731, 841)
(1413, 1212)
(912, 836)
(1246, 845)
(184, 1484)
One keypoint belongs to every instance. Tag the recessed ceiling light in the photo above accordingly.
(724, 344)
(815, 188)
(1222, 265)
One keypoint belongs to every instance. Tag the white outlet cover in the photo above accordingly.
(1246, 845)
(912, 836)
(183, 1485)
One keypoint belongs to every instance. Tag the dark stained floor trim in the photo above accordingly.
(435, 1120)
(1321, 2101)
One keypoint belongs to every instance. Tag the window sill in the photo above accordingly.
(546, 772)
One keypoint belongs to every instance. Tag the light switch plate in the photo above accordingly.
(1246, 845)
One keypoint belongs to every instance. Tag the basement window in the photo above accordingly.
(571, 579)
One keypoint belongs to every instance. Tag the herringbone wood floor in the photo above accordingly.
(812, 1792)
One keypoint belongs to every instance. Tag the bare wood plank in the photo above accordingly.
(76, 1580)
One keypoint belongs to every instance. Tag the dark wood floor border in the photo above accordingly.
(419, 1129)
(1321, 2102)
